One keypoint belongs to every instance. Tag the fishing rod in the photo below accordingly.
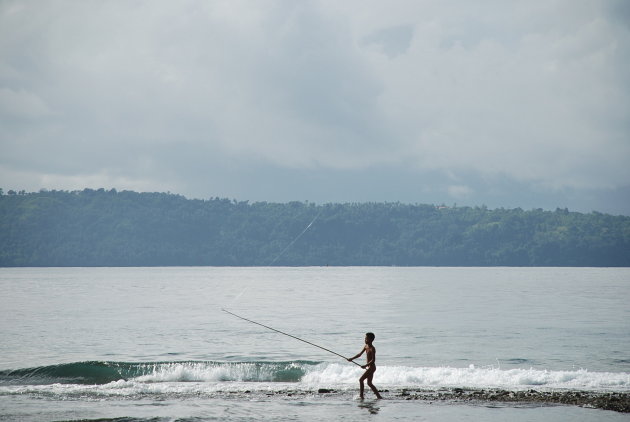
(289, 335)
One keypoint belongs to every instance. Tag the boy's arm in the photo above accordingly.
(358, 354)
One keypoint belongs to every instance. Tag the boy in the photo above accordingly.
(370, 366)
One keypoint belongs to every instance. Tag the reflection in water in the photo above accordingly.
(370, 405)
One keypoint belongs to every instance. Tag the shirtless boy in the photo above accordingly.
(370, 366)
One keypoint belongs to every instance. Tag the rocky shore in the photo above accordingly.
(618, 402)
(614, 401)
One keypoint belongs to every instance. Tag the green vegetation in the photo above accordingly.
(110, 228)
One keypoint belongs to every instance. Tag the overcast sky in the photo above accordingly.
(498, 103)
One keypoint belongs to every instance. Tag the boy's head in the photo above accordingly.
(369, 337)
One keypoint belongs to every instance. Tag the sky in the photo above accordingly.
(492, 102)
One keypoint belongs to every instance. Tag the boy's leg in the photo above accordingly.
(369, 383)
(361, 387)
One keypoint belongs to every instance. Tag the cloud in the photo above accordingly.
(208, 97)
(392, 41)
(534, 106)
(18, 105)
(460, 191)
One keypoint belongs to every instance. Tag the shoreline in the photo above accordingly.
(613, 401)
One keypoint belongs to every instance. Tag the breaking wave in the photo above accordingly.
(305, 375)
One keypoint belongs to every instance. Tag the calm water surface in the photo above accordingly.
(88, 343)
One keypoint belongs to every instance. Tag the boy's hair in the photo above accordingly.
(371, 336)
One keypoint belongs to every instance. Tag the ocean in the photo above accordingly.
(154, 344)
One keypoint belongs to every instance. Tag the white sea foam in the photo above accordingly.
(394, 376)
(473, 377)
(210, 378)
(188, 372)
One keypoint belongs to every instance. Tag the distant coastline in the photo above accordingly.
(111, 228)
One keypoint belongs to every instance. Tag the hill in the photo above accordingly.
(110, 228)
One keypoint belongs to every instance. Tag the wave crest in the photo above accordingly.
(311, 374)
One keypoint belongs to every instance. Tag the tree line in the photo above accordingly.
(111, 228)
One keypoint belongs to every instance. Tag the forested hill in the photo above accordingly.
(110, 228)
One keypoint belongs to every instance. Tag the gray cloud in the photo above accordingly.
(413, 101)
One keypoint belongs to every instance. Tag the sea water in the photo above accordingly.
(154, 343)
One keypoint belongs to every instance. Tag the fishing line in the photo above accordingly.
(289, 335)
(271, 328)
(295, 240)
(281, 253)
